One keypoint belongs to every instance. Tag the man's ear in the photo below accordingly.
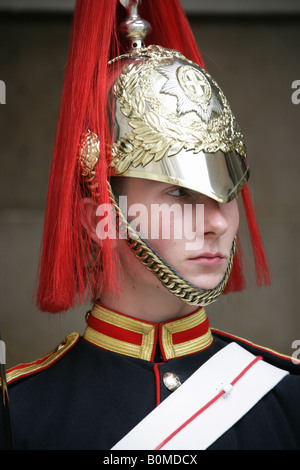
(88, 217)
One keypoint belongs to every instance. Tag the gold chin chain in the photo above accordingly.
(167, 276)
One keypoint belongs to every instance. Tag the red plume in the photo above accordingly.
(261, 266)
(63, 275)
(170, 28)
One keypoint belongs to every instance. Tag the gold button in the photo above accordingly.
(171, 381)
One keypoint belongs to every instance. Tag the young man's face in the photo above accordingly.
(191, 232)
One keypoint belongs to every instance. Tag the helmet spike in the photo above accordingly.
(134, 29)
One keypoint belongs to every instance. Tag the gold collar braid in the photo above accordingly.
(123, 334)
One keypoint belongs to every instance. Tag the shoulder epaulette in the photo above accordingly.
(270, 355)
(24, 370)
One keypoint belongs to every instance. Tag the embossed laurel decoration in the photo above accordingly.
(159, 132)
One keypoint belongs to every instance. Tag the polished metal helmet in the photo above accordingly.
(173, 124)
(171, 121)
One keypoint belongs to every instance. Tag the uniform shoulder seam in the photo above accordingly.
(256, 346)
(27, 369)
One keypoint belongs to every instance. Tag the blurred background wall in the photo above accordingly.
(252, 48)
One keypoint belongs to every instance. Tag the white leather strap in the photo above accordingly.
(209, 403)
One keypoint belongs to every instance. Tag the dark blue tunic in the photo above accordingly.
(90, 398)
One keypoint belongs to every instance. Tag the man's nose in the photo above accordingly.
(215, 222)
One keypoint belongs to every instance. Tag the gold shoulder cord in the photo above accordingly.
(24, 370)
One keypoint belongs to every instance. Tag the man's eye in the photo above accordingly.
(177, 192)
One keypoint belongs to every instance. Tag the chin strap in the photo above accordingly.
(168, 277)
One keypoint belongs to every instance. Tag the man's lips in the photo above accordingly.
(208, 258)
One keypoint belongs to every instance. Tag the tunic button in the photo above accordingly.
(171, 381)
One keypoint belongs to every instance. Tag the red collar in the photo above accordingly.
(124, 334)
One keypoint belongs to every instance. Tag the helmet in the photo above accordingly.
(173, 124)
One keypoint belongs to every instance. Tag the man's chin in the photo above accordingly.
(205, 284)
